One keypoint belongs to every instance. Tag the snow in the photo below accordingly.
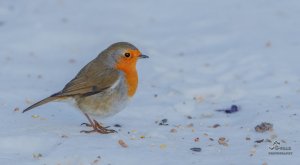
(204, 56)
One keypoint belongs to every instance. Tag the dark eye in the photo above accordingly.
(127, 54)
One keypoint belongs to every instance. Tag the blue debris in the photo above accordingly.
(233, 109)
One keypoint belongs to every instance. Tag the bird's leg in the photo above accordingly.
(96, 127)
(89, 125)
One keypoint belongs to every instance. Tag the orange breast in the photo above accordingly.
(131, 76)
(132, 82)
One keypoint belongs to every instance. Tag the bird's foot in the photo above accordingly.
(96, 127)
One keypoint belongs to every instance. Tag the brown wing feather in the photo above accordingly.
(91, 79)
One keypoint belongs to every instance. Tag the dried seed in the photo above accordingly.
(222, 141)
(263, 127)
(17, 109)
(122, 143)
(173, 130)
(190, 125)
(35, 116)
(162, 146)
(198, 99)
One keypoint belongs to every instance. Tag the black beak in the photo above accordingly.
(143, 56)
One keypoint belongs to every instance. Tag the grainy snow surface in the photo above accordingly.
(204, 56)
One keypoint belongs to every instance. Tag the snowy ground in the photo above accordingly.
(204, 56)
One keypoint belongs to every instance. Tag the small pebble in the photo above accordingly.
(37, 155)
(216, 126)
(64, 136)
(163, 122)
(259, 141)
(117, 125)
(196, 149)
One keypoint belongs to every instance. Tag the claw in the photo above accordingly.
(83, 131)
(86, 124)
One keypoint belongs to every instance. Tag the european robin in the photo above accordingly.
(104, 86)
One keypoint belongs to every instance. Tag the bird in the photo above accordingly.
(103, 87)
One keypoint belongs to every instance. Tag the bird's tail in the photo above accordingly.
(44, 101)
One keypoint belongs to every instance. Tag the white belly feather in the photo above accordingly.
(106, 103)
